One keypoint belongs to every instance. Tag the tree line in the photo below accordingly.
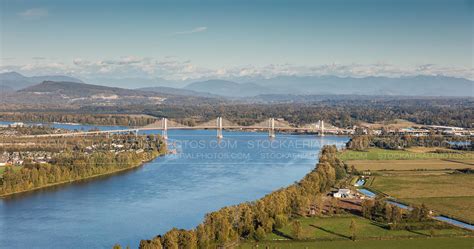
(253, 220)
(364, 142)
(83, 118)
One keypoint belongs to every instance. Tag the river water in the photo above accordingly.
(171, 191)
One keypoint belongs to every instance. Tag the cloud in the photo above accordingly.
(192, 31)
(33, 14)
(173, 68)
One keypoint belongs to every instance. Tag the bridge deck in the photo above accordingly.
(185, 128)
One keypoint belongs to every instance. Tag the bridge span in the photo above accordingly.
(272, 125)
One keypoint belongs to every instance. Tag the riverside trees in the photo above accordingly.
(252, 220)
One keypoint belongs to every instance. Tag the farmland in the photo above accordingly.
(450, 194)
(420, 243)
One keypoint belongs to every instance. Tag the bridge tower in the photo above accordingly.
(219, 128)
(271, 127)
(164, 126)
(321, 128)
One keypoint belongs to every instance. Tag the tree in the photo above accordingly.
(280, 221)
(260, 234)
(353, 228)
(388, 212)
(297, 229)
(396, 215)
(155, 243)
(170, 239)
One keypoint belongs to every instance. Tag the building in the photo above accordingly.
(343, 193)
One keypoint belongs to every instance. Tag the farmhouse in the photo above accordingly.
(343, 193)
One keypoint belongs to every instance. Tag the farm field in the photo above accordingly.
(338, 228)
(458, 207)
(450, 194)
(420, 243)
(419, 164)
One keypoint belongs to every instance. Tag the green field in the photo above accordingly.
(338, 228)
(419, 164)
(420, 243)
(450, 194)
(409, 154)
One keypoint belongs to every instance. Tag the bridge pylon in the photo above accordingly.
(271, 127)
(219, 128)
(164, 128)
(321, 128)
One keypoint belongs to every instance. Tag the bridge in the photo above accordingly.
(271, 125)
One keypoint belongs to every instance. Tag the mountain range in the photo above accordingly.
(12, 81)
(282, 85)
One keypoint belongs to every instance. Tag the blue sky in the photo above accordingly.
(181, 39)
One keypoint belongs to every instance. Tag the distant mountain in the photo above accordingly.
(73, 89)
(135, 83)
(177, 91)
(80, 94)
(407, 86)
(333, 85)
(16, 81)
(228, 88)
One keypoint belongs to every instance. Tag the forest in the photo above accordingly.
(74, 159)
(61, 117)
(339, 111)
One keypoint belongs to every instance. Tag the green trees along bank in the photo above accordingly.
(78, 158)
(252, 220)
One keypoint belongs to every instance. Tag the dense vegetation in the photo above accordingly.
(76, 158)
(363, 142)
(253, 220)
(341, 111)
(98, 119)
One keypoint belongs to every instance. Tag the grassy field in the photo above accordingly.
(421, 243)
(448, 185)
(421, 164)
(409, 154)
(451, 194)
(338, 228)
(460, 207)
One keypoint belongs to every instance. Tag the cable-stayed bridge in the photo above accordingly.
(271, 125)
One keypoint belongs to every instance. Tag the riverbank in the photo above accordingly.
(82, 179)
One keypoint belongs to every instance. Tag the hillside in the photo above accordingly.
(16, 81)
(228, 88)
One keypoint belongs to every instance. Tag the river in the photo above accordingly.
(171, 191)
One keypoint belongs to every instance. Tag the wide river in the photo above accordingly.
(172, 191)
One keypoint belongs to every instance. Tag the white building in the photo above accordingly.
(343, 193)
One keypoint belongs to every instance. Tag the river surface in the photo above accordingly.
(171, 191)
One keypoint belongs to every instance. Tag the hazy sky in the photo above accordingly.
(181, 39)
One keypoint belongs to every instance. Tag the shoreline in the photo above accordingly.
(82, 179)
